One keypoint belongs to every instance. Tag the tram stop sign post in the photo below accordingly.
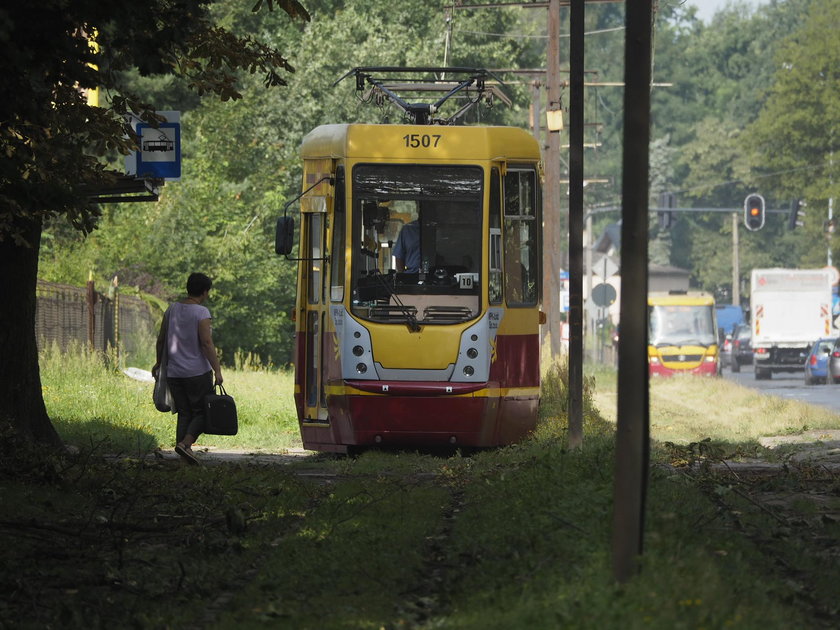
(159, 155)
(603, 294)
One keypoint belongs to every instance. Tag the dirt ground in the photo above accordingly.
(815, 447)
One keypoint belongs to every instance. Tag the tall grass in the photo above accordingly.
(685, 409)
(92, 404)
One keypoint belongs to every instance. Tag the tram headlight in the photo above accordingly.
(472, 353)
(358, 350)
(361, 368)
(469, 370)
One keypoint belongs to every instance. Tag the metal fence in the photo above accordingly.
(81, 316)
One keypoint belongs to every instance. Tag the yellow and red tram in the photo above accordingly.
(417, 312)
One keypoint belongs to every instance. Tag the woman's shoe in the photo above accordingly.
(186, 454)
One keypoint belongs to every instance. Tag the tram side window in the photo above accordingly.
(337, 253)
(495, 275)
(315, 230)
(521, 238)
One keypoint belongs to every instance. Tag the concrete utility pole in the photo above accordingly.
(553, 224)
(736, 263)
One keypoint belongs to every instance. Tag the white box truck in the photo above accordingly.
(790, 309)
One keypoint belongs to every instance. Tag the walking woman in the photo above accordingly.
(192, 362)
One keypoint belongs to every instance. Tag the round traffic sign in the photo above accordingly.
(603, 294)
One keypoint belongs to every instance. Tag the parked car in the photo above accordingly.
(833, 372)
(741, 352)
(816, 364)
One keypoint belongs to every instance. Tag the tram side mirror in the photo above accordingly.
(284, 236)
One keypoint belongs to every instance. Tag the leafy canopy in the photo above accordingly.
(241, 160)
(54, 145)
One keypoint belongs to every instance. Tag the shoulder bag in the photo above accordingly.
(161, 394)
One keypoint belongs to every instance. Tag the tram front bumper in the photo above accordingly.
(433, 414)
(409, 420)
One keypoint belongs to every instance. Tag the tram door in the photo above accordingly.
(315, 212)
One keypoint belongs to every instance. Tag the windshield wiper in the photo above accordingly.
(410, 319)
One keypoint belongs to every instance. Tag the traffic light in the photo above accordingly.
(795, 214)
(754, 212)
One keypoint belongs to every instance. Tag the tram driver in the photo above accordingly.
(407, 248)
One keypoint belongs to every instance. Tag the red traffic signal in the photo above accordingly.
(754, 212)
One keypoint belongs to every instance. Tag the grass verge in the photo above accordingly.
(511, 538)
(95, 407)
(685, 409)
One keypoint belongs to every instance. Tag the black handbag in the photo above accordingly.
(220, 413)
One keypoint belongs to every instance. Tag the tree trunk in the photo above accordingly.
(21, 399)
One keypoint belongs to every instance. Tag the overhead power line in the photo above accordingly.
(524, 36)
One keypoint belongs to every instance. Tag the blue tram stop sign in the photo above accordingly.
(159, 155)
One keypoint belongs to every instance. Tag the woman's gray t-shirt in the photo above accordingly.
(183, 344)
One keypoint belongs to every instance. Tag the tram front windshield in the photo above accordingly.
(416, 242)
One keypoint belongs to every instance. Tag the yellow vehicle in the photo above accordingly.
(682, 334)
(417, 313)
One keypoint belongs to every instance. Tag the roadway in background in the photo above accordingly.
(788, 385)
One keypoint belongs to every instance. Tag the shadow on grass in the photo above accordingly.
(105, 437)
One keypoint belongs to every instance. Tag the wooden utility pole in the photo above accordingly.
(632, 449)
(576, 61)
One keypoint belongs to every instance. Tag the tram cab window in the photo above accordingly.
(521, 237)
(416, 242)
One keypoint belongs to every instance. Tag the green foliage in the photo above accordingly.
(729, 76)
(794, 137)
(241, 163)
(554, 390)
(56, 145)
(94, 406)
(367, 566)
(518, 537)
(733, 120)
(720, 78)
(53, 142)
